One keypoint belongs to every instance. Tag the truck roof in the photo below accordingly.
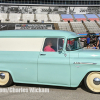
(37, 33)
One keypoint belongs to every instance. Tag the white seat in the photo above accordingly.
(28, 17)
(3, 17)
(64, 26)
(41, 17)
(54, 17)
(14, 18)
(92, 27)
(78, 27)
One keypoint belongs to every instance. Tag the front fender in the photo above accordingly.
(79, 76)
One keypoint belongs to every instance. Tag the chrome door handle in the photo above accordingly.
(42, 54)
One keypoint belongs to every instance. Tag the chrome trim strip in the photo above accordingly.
(84, 63)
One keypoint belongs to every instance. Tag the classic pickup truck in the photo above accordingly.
(48, 57)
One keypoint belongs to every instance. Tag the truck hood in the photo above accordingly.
(89, 53)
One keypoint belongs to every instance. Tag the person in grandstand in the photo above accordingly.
(49, 48)
(88, 42)
(98, 43)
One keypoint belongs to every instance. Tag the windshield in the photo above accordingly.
(73, 44)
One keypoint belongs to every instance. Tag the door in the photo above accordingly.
(53, 66)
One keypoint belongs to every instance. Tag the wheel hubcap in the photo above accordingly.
(2, 75)
(96, 81)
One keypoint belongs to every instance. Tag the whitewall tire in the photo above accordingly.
(92, 82)
(5, 79)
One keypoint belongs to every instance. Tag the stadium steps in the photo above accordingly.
(85, 27)
(21, 17)
(60, 18)
(35, 18)
(71, 27)
(86, 17)
(7, 17)
(73, 17)
(97, 24)
(49, 20)
(56, 26)
(97, 16)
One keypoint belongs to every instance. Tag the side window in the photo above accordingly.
(53, 44)
(73, 44)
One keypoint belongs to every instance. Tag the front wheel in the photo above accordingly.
(5, 79)
(92, 82)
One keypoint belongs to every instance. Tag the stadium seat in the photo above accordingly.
(3, 17)
(64, 26)
(79, 17)
(41, 17)
(92, 27)
(92, 17)
(98, 15)
(14, 18)
(67, 17)
(78, 27)
(54, 17)
(29, 17)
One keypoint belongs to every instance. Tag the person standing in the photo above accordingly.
(98, 43)
(88, 42)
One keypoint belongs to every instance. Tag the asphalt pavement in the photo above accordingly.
(53, 93)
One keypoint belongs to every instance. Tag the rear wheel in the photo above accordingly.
(5, 79)
(92, 82)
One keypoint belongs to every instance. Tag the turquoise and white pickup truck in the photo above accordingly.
(48, 57)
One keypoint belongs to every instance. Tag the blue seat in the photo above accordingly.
(64, 16)
(79, 16)
(91, 16)
(98, 15)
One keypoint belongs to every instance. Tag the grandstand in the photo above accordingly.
(79, 23)
(63, 18)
